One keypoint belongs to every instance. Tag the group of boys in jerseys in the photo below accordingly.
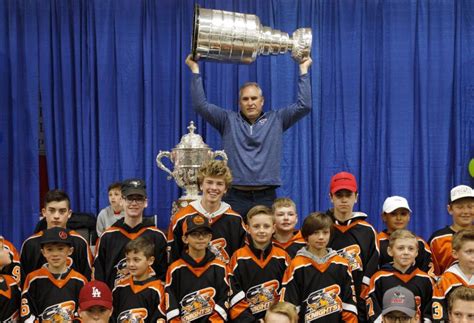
(214, 267)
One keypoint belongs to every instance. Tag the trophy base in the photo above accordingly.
(180, 203)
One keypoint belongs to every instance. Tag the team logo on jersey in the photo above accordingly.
(217, 247)
(62, 312)
(121, 270)
(198, 304)
(262, 296)
(352, 254)
(323, 302)
(134, 315)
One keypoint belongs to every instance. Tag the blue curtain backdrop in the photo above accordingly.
(393, 100)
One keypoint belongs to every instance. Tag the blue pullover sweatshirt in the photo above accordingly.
(254, 150)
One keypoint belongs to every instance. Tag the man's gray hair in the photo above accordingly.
(249, 84)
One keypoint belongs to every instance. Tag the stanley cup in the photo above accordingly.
(239, 38)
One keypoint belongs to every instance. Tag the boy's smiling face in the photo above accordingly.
(56, 254)
(285, 219)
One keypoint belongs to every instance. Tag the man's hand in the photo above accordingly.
(192, 64)
(305, 64)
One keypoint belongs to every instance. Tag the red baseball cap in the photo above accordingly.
(343, 181)
(95, 293)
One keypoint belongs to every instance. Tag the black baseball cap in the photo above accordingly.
(133, 186)
(55, 235)
(196, 222)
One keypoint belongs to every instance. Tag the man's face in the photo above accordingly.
(95, 314)
(213, 189)
(285, 219)
(462, 211)
(251, 103)
(134, 205)
(398, 219)
(462, 311)
(56, 214)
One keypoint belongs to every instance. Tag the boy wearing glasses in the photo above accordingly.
(110, 261)
(197, 287)
(56, 211)
(399, 306)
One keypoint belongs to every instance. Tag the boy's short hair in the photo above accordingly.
(260, 209)
(282, 202)
(461, 237)
(57, 196)
(316, 221)
(401, 234)
(115, 186)
(283, 308)
(462, 293)
(141, 244)
(215, 168)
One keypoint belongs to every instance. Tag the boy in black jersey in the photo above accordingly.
(9, 290)
(139, 297)
(51, 293)
(197, 288)
(256, 269)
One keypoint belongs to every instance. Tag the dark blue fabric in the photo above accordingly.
(393, 97)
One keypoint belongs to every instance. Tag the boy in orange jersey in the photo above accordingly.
(461, 208)
(318, 280)
(396, 215)
(10, 295)
(459, 274)
(139, 297)
(51, 293)
(286, 218)
(256, 269)
(197, 287)
(403, 248)
(228, 232)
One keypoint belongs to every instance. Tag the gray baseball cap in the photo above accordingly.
(399, 299)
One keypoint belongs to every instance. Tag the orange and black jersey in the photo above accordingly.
(81, 259)
(414, 279)
(441, 250)
(197, 291)
(255, 279)
(14, 268)
(321, 288)
(423, 260)
(293, 245)
(49, 297)
(228, 232)
(10, 298)
(452, 278)
(139, 301)
(109, 263)
(356, 241)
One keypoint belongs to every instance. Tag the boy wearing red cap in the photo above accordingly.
(95, 302)
(197, 286)
(51, 293)
(354, 238)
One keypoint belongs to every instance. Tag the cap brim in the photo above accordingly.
(84, 306)
(390, 210)
(407, 311)
(69, 243)
(134, 191)
(344, 187)
(208, 229)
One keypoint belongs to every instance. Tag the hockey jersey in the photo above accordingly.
(10, 298)
(109, 262)
(81, 259)
(14, 268)
(139, 301)
(49, 298)
(423, 260)
(228, 232)
(255, 279)
(197, 291)
(356, 241)
(293, 245)
(452, 278)
(441, 250)
(414, 279)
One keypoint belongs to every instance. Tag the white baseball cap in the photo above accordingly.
(395, 202)
(459, 192)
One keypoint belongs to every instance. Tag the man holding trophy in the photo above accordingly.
(251, 137)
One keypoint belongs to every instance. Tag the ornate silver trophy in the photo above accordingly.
(239, 38)
(187, 157)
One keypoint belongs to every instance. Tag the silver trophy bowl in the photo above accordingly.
(239, 38)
